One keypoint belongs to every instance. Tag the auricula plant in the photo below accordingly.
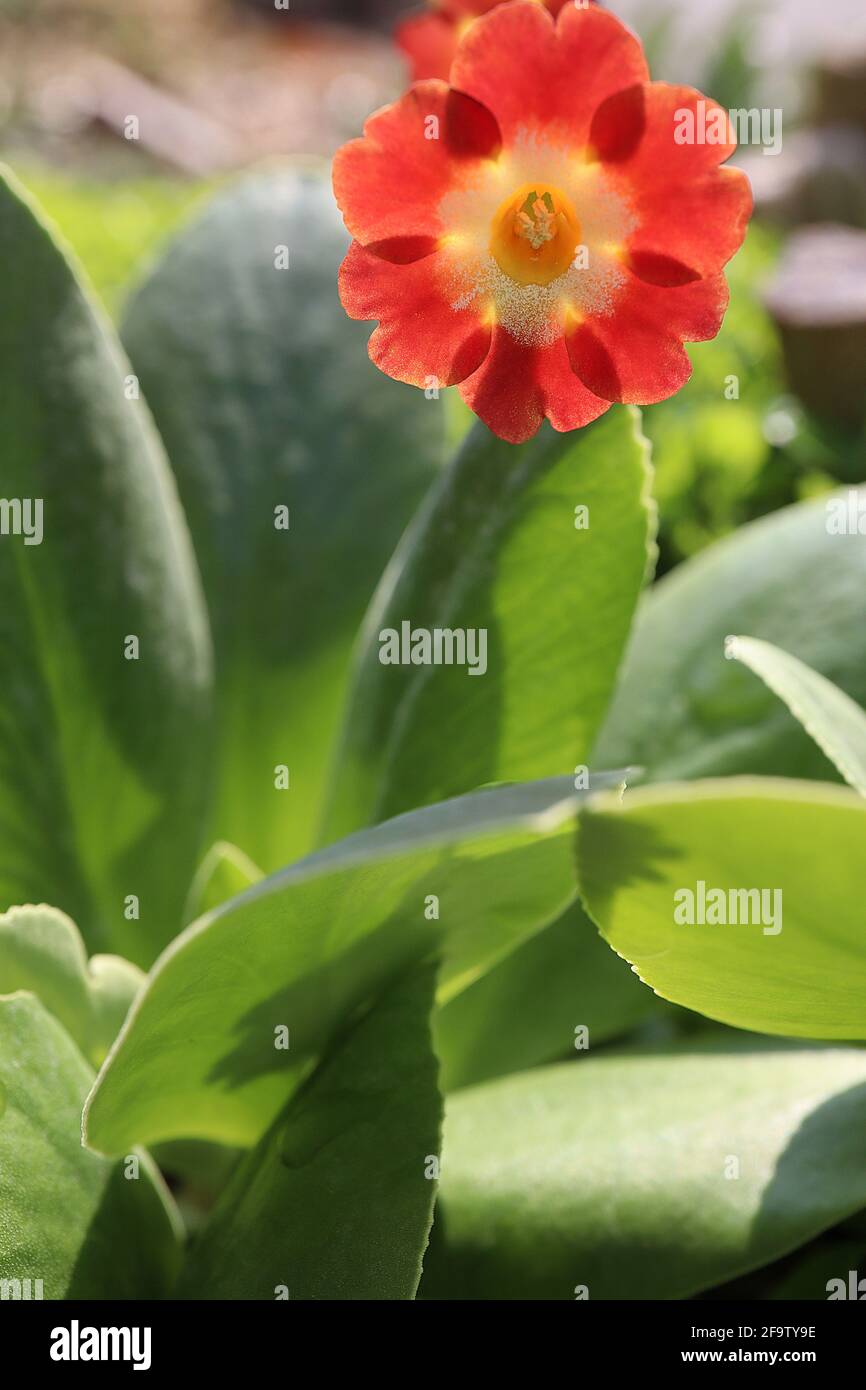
(536, 229)
(379, 965)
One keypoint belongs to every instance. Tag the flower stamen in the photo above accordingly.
(539, 224)
(534, 235)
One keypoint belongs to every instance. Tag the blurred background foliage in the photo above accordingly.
(219, 84)
(112, 225)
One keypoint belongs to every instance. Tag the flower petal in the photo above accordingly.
(687, 209)
(429, 41)
(636, 354)
(709, 221)
(420, 338)
(517, 386)
(389, 184)
(533, 72)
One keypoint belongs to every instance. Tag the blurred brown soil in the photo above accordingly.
(212, 84)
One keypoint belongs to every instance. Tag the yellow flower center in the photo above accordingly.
(535, 235)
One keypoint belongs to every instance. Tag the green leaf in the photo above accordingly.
(103, 757)
(264, 394)
(114, 984)
(526, 1009)
(658, 869)
(67, 1217)
(336, 1200)
(681, 710)
(113, 221)
(805, 1274)
(643, 1176)
(497, 547)
(41, 950)
(469, 879)
(556, 628)
(837, 725)
(224, 872)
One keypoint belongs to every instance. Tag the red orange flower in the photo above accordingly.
(548, 230)
(430, 39)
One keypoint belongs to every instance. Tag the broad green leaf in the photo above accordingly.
(646, 1175)
(224, 872)
(114, 984)
(778, 864)
(527, 1009)
(681, 710)
(113, 221)
(806, 1274)
(336, 1200)
(102, 748)
(497, 548)
(468, 879)
(41, 950)
(68, 1218)
(501, 545)
(837, 725)
(266, 399)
